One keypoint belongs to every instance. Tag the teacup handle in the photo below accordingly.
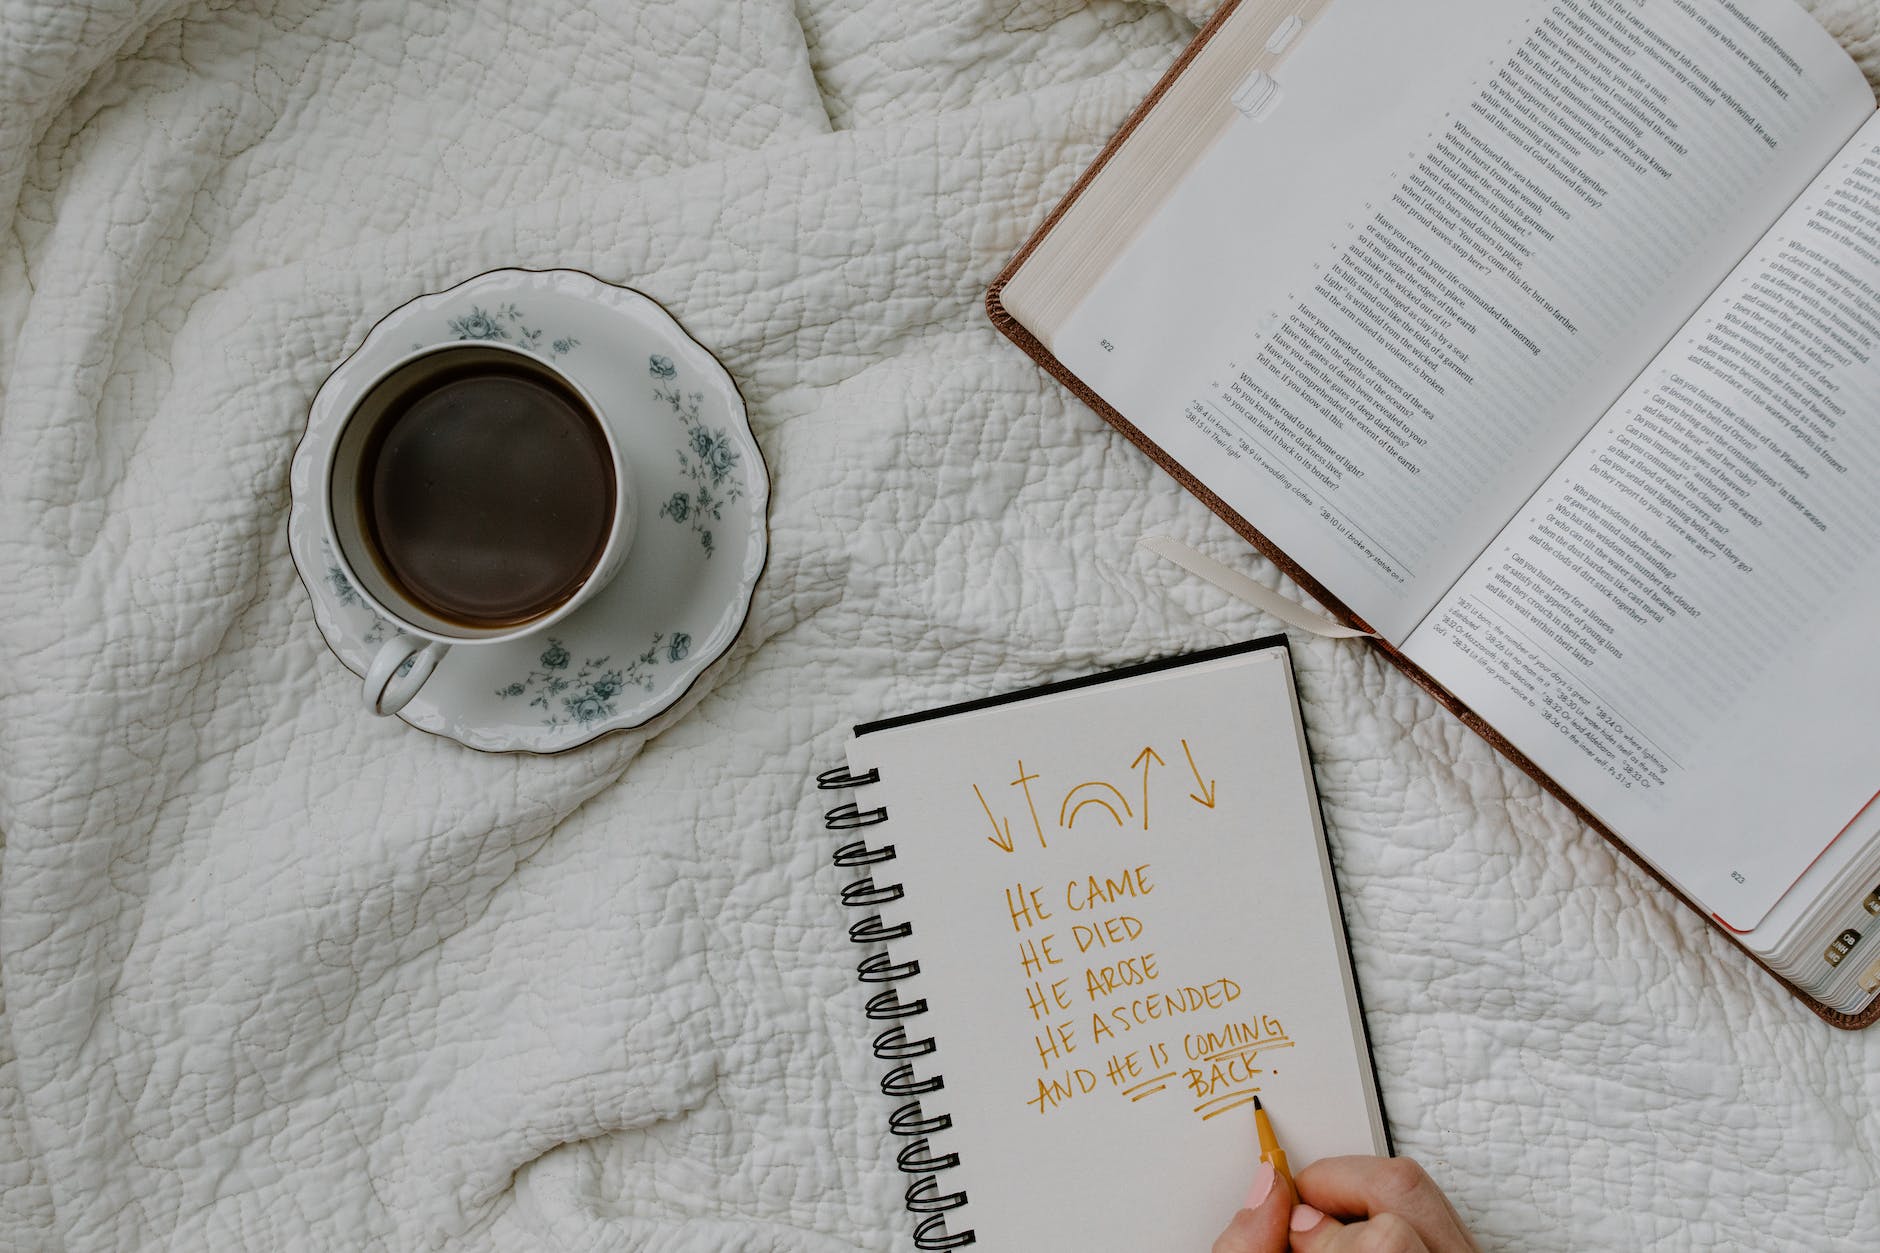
(388, 691)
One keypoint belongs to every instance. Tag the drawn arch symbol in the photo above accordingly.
(1067, 812)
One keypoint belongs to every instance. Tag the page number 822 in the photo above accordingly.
(1738, 876)
(1106, 345)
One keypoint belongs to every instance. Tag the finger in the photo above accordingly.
(1313, 1232)
(1363, 1187)
(1260, 1226)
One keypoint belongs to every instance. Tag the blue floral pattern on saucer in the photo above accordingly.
(585, 694)
(349, 598)
(709, 459)
(507, 325)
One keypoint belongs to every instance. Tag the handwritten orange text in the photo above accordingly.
(1144, 1010)
(1090, 892)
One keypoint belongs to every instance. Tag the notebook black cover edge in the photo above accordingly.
(1071, 685)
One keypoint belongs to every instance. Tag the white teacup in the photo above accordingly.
(474, 495)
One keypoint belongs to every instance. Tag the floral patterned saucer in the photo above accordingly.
(683, 595)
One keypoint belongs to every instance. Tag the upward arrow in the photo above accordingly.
(1143, 759)
(1003, 838)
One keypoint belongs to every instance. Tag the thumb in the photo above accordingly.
(1260, 1227)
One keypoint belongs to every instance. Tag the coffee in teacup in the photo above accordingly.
(474, 495)
(486, 492)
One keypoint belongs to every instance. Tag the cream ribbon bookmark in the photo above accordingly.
(1240, 586)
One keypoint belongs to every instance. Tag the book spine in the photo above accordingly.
(911, 1121)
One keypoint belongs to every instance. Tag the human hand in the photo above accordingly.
(1386, 1204)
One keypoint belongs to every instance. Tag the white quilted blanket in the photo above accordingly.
(281, 975)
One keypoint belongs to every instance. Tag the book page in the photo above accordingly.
(1378, 312)
(1123, 913)
(1680, 626)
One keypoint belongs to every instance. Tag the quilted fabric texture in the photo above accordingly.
(278, 974)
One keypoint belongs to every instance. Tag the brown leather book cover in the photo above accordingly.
(1012, 330)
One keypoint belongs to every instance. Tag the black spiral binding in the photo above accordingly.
(924, 1196)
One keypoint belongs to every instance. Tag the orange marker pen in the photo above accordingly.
(1270, 1151)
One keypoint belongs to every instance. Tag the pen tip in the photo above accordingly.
(1256, 1103)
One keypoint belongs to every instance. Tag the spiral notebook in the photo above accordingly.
(1096, 918)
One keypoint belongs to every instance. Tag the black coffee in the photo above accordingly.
(487, 494)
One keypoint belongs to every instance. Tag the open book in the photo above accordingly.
(1539, 337)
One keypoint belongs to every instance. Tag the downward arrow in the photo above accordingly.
(1003, 838)
(1143, 759)
(1207, 789)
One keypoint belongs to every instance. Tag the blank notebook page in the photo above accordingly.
(1126, 926)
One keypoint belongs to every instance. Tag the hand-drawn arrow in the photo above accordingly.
(1142, 759)
(1207, 789)
(1002, 838)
